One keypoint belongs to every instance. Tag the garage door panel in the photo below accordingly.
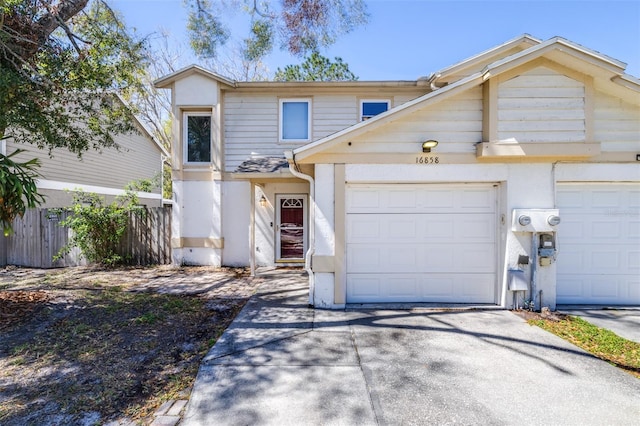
(438, 228)
(606, 198)
(600, 289)
(599, 244)
(417, 242)
(633, 229)
(434, 288)
(420, 199)
(364, 229)
(403, 200)
(417, 228)
(363, 199)
(595, 259)
(363, 287)
(477, 199)
(633, 260)
(404, 228)
(477, 228)
(424, 258)
(605, 229)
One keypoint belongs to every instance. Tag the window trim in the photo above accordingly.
(363, 101)
(281, 103)
(185, 137)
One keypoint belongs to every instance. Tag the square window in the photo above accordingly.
(197, 137)
(372, 108)
(295, 123)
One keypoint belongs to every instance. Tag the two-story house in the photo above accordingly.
(511, 176)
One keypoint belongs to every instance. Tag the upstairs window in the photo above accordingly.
(295, 120)
(370, 108)
(197, 137)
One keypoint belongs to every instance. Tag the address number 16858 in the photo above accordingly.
(427, 160)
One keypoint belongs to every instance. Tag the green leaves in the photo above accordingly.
(261, 40)
(18, 189)
(99, 227)
(300, 26)
(206, 31)
(67, 77)
(316, 68)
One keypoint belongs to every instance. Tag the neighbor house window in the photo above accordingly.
(370, 108)
(197, 139)
(295, 119)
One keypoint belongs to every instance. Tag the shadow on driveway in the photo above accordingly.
(282, 363)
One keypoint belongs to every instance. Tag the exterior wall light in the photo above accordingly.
(553, 220)
(427, 145)
(524, 220)
(263, 201)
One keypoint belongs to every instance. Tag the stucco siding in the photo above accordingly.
(137, 158)
(541, 105)
(616, 123)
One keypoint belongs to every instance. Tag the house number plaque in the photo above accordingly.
(427, 159)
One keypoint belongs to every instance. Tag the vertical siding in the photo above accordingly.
(616, 123)
(541, 106)
(138, 158)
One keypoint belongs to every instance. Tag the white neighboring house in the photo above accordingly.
(446, 189)
(105, 172)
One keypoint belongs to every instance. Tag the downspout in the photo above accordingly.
(293, 167)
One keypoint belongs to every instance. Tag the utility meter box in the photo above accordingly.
(535, 220)
(517, 280)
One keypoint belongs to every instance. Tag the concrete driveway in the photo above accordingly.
(281, 363)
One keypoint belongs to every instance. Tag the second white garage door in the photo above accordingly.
(421, 243)
(599, 244)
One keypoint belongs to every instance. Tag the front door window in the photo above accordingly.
(291, 227)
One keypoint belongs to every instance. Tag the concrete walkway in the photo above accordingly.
(281, 363)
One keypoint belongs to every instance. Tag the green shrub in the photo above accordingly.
(98, 227)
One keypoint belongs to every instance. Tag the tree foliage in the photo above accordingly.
(60, 65)
(17, 189)
(316, 68)
(300, 26)
(61, 61)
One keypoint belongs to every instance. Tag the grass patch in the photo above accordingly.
(600, 342)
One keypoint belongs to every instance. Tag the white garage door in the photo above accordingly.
(599, 244)
(421, 243)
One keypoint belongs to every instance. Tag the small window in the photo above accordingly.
(295, 123)
(372, 108)
(197, 137)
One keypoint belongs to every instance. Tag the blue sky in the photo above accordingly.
(406, 39)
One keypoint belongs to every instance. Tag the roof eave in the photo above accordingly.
(469, 62)
(166, 81)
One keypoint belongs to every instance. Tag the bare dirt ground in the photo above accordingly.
(90, 345)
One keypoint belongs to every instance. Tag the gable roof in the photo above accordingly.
(168, 80)
(143, 127)
(612, 67)
(520, 43)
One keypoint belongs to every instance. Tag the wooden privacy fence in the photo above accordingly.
(38, 237)
(147, 240)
